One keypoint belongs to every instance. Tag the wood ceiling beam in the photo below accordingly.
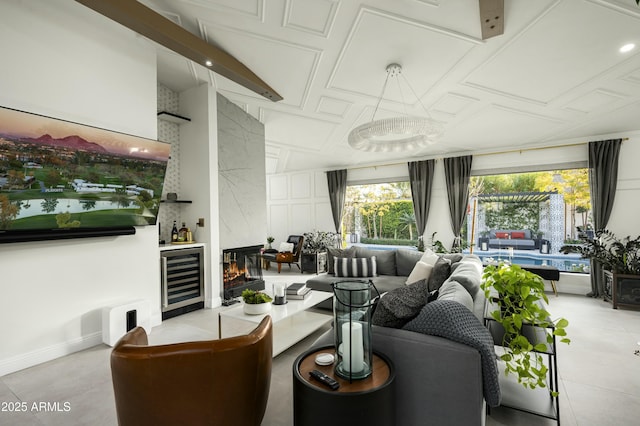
(491, 18)
(163, 31)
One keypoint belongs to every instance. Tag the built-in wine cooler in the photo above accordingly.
(182, 275)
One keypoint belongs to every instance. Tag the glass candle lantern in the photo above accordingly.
(353, 307)
(279, 293)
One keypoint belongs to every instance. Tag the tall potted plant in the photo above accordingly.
(518, 302)
(620, 260)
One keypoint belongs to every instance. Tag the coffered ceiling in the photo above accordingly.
(555, 76)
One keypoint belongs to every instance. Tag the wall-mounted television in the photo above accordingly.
(60, 179)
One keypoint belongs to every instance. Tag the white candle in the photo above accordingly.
(352, 354)
(279, 289)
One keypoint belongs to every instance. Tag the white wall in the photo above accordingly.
(63, 60)
(297, 203)
(199, 178)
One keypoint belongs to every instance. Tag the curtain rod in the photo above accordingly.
(482, 154)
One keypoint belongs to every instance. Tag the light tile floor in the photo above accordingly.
(599, 372)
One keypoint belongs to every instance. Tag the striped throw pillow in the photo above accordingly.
(355, 266)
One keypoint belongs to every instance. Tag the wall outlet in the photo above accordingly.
(201, 222)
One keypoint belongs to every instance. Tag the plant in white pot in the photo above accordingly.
(256, 302)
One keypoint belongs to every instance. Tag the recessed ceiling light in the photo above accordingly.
(208, 63)
(627, 48)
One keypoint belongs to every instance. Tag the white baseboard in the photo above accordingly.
(20, 362)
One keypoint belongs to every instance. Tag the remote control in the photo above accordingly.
(323, 378)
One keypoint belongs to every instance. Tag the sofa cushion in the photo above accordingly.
(452, 290)
(336, 252)
(400, 305)
(421, 271)
(406, 260)
(439, 274)
(355, 266)
(385, 259)
(468, 273)
(429, 257)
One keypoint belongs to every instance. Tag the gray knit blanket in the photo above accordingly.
(453, 321)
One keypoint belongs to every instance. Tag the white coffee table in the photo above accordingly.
(292, 322)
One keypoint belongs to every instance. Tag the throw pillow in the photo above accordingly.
(336, 252)
(429, 257)
(517, 235)
(440, 273)
(400, 305)
(452, 290)
(285, 247)
(469, 274)
(355, 266)
(453, 257)
(406, 260)
(502, 235)
(385, 259)
(421, 271)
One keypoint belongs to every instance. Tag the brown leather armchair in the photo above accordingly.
(217, 382)
(288, 257)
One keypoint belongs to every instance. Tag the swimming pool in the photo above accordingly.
(564, 263)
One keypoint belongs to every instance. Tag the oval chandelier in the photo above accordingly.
(398, 133)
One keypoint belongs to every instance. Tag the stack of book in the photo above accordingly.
(297, 291)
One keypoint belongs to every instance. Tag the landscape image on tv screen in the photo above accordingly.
(56, 174)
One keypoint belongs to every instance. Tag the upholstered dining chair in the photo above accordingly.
(216, 382)
(290, 255)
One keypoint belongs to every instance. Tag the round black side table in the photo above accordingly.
(369, 401)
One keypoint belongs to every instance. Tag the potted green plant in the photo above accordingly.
(519, 301)
(270, 240)
(620, 260)
(256, 302)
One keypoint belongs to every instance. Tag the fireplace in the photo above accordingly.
(240, 270)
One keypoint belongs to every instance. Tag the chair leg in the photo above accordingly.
(279, 267)
(553, 286)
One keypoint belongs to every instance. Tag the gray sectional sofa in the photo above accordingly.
(438, 380)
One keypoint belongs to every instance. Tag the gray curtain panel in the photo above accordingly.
(457, 171)
(603, 180)
(337, 180)
(421, 180)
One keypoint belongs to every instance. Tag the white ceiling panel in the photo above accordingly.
(593, 100)
(333, 106)
(497, 126)
(253, 8)
(313, 16)
(572, 43)
(453, 104)
(259, 53)
(296, 130)
(426, 53)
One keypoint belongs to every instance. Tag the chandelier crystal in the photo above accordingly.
(398, 133)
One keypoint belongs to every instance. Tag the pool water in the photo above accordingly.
(563, 263)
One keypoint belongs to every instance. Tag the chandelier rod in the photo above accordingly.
(417, 97)
(384, 88)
